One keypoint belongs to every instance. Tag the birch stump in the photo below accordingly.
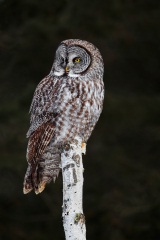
(72, 172)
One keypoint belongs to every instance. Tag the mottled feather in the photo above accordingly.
(64, 105)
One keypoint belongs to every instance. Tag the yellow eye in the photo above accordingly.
(76, 60)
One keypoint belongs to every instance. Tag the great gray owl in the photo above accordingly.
(66, 103)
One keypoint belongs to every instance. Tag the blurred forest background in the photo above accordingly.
(122, 165)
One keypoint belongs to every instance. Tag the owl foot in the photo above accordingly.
(83, 146)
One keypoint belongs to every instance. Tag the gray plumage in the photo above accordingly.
(67, 103)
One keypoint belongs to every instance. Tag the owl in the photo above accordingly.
(66, 103)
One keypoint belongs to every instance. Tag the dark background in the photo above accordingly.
(122, 167)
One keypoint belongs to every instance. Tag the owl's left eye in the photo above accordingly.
(77, 60)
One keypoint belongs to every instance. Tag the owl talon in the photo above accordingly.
(83, 146)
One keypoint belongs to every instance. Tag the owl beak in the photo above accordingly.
(67, 69)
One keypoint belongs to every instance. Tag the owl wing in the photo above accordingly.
(39, 140)
(42, 124)
(41, 131)
(37, 144)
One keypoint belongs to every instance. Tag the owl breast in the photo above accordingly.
(79, 110)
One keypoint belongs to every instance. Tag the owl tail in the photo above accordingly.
(44, 171)
(28, 184)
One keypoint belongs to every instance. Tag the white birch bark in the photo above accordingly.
(72, 172)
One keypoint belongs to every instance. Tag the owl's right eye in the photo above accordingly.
(77, 60)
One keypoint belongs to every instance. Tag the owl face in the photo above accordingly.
(71, 60)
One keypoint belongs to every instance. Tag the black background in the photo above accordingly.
(122, 175)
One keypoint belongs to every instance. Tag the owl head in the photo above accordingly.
(75, 57)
